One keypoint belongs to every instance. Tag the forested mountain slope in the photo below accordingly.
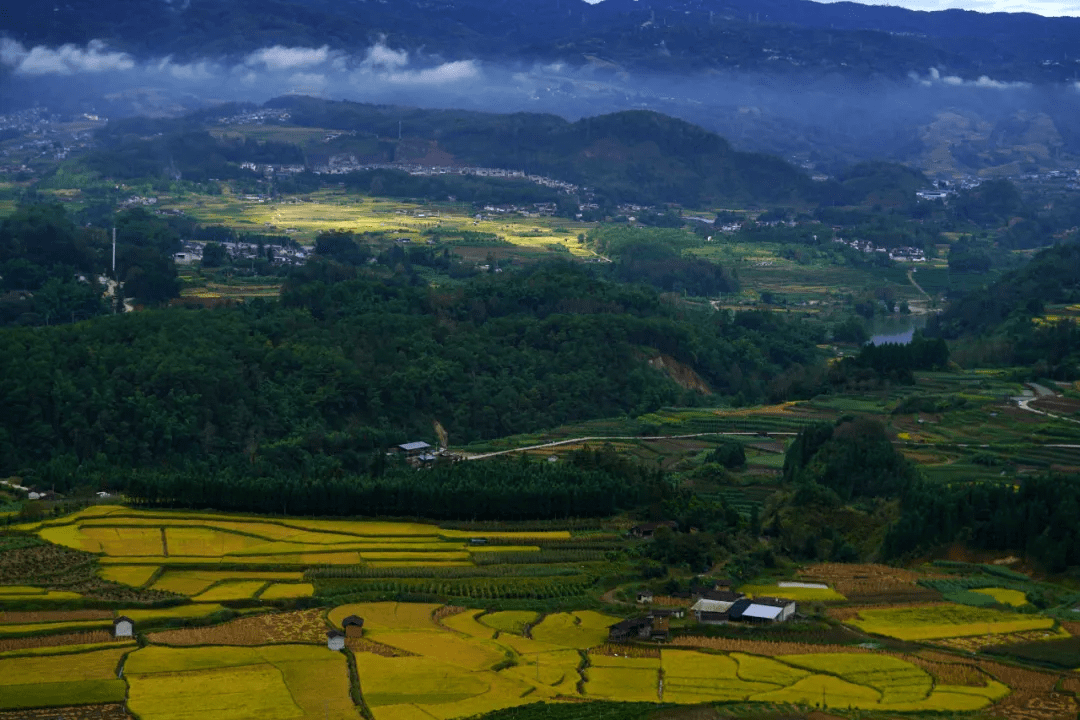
(335, 371)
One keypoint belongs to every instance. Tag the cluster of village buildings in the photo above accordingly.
(192, 253)
(718, 606)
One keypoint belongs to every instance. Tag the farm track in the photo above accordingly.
(608, 438)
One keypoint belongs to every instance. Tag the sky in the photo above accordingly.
(1050, 8)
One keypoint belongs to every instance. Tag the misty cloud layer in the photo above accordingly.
(787, 116)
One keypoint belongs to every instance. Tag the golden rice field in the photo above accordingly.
(509, 621)
(135, 544)
(791, 592)
(331, 211)
(447, 663)
(449, 669)
(1016, 598)
(25, 592)
(71, 679)
(933, 621)
(238, 683)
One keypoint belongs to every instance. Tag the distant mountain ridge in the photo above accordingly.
(676, 35)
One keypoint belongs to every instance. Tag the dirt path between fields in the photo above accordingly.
(572, 441)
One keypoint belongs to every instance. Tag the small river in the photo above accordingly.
(895, 328)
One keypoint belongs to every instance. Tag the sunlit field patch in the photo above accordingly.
(1016, 598)
(277, 681)
(928, 622)
(134, 575)
(69, 679)
(388, 615)
(509, 621)
(232, 590)
(581, 630)
(792, 592)
(287, 591)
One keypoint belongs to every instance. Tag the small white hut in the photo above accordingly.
(123, 627)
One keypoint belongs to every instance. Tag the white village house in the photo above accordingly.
(123, 626)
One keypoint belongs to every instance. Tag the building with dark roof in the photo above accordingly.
(353, 626)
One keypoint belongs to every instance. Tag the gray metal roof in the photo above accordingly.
(419, 445)
(762, 612)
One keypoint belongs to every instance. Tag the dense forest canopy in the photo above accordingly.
(336, 370)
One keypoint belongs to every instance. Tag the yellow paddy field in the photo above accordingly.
(142, 548)
(335, 210)
(419, 660)
(934, 621)
(447, 669)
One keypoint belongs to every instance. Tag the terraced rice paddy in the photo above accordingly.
(421, 660)
(235, 683)
(134, 544)
(928, 622)
(37, 594)
(510, 621)
(70, 679)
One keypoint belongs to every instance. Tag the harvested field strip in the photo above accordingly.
(112, 711)
(629, 651)
(304, 626)
(54, 641)
(44, 616)
(950, 672)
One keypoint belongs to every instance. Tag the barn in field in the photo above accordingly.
(763, 610)
(353, 626)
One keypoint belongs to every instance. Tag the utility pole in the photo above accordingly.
(114, 253)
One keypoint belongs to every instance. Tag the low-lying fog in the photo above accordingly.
(825, 119)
